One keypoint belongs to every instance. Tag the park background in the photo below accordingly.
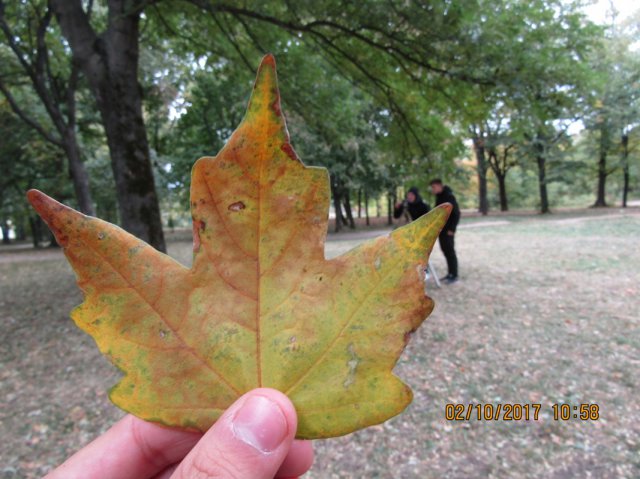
(529, 110)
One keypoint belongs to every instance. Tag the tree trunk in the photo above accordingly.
(542, 183)
(601, 200)
(391, 201)
(499, 164)
(378, 208)
(502, 187)
(366, 206)
(53, 242)
(602, 181)
(343, 217)
(5, 232)
(109, 61)
(58, 100)
(347, 208)
(481, 167)
(36, 230)
(625, 169)
(78, 173)
(130, 160)
(359, 202)
(335, 193)
(21, 233)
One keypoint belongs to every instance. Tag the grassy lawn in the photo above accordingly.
(546, 312)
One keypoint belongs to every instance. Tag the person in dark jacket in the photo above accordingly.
(445, 195)
(414, 204)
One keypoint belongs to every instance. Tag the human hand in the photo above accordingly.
(254, 439)
(451, 232)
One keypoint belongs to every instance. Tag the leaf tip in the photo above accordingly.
(43, 204)
(266, 94)
(52, 212)
(446, 206)
(264, 104)
(441, 213)
(267, 75)
(36, 197)
(268, 60)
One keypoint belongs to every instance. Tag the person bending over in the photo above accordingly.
(414, 204)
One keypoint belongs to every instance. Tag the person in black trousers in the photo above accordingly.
(445, 195)
(414, 204)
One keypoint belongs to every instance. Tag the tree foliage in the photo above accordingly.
(383, 93)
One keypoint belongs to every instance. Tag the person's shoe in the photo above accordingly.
(451, 279)
(445, 278)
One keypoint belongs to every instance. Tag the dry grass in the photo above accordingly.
(546, 312)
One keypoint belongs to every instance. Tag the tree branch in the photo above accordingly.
(4, 26)
(27, 119)
(400, 51)
(75, 26)
(233, 43)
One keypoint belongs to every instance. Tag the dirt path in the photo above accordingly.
(29, 254)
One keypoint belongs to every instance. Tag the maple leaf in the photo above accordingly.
(260, 306)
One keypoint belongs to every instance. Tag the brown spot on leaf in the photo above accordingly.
(237, 206)
(288, 149)
(198, 226)
(275, 105)
(407, 336)
(63, 240)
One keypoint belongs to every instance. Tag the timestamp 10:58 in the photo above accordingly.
(518, 412)
(585, 412)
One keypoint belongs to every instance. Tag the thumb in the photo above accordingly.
(250, 440)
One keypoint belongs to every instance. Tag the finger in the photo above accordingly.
(167, 473)
(131, 449)
(298, 461)
(249, 441)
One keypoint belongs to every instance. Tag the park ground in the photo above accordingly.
(546, 312)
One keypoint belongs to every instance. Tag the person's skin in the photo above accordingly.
(253, 439)
(436, 189)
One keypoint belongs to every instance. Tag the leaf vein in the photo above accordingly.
(164, 320)
(318, 361)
